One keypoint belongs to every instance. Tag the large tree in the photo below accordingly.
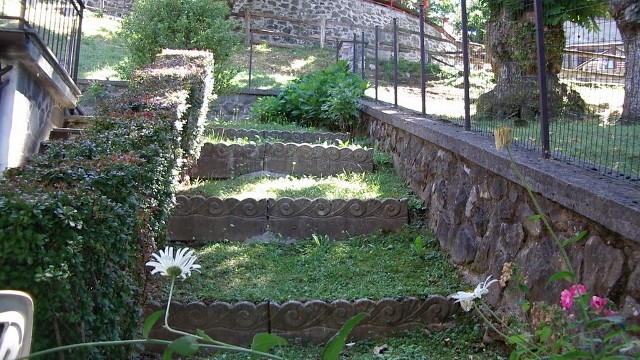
(511, 48)
(627, 16)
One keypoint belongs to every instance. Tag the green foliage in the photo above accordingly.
(326, 99)
(179, 24)
(556, 12)
(79, 221)
(371, 266)
(267, 109)
(76, 224)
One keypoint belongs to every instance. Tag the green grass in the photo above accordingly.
(371, 266)
(593, 142)
(273, 67)
(384, 182)
(380, 184)
(102, 48)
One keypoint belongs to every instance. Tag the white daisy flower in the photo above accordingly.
(465, 298)
(169, 265)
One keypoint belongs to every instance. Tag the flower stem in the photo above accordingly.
(539, 211)
(140, 341)
(217, 344)
(501, 322)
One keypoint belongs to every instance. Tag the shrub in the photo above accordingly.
(267, 109)
(79, 221)
(327, 99)
(179, 24)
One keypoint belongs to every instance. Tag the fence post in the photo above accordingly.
(377, 40)
(465, 60)
(542, 80)
(395, 62)
(76, 60)
(323, 31)
(362, 56)
(355, 61)
(247, 28)
(423, 73)
(250, 57)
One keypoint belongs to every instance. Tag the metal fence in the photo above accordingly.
(583, 129)
(417, 70)
(55, 23)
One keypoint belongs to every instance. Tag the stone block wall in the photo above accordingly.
(197, 219)
(222, 161)
(28, 113)
(342, 18)
(480, 211)
(235, 107)
(309, 322)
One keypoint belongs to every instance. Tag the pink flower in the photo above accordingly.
(566, 299)
(598, 303)
(577, 290)
(608, 312)
(566, 296)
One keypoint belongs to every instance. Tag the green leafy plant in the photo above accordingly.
(327, 99)
(267, 109)
(179, 24)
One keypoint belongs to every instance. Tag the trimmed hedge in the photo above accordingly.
(79, 222)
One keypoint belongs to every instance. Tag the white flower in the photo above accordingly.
(168, 265)
(465, 298)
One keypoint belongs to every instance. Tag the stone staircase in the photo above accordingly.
(198, 219)
(72, 125)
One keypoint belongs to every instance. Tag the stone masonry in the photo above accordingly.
(481, 212)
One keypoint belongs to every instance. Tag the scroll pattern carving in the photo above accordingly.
(311, 322)
(226, 161)
(214, 219)
(214, 206)
(283, 136)
(352, 208)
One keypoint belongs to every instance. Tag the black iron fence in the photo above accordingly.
(430, 73)
(56, 23)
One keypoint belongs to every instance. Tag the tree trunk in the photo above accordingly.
(511, 48)
(627, 16)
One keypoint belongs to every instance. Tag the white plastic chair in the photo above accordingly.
(16, 323)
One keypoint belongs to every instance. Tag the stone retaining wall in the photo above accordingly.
(198, 219)
(220, 161)
(310, 322)
(236, 107)
(481, 212)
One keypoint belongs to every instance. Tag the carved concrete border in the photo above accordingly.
(199, 219)
(309, 322)
(282, 135)
(220, 161)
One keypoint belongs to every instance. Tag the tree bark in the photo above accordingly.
(627, 16)
(511, 48)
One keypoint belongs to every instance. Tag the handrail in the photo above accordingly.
(57, 23)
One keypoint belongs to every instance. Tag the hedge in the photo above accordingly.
(79, 222)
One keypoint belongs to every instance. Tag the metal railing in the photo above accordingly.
(584, 131)
(56, 23)
(430, 74)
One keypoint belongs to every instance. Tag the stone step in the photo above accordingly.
(200, 220)
(77, 121)
(222, 161)
(63, 133)
(281, 135)
(312, 322)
